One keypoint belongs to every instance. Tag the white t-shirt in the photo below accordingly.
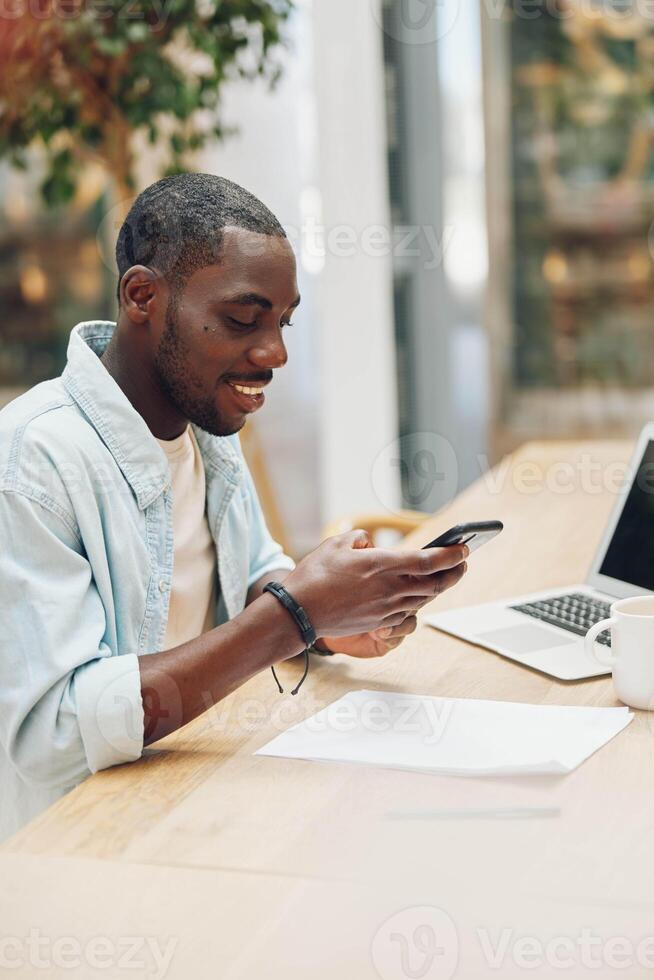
(195, 574)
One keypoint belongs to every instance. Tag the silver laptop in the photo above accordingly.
(545, 630)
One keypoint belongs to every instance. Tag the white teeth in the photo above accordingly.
(248, 391)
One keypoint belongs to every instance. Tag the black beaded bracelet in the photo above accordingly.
(303, 622)
(321, 653)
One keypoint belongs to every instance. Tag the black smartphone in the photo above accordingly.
(474, 535)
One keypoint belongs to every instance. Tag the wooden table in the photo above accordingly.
(311, 859)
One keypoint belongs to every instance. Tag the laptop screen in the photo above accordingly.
(630, 554)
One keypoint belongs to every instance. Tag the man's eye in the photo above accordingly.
(240, 323)
(286, 323)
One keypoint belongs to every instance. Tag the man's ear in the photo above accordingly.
(139, 291)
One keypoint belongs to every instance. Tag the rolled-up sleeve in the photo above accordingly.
(69, 705)
(266, 554)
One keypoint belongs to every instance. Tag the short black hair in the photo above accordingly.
(177, 224)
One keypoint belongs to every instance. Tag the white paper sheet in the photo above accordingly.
(450, 735)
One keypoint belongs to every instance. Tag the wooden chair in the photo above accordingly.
(402, 521)
(256, 460)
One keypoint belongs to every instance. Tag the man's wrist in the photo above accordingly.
(279, 618)
(321, 647)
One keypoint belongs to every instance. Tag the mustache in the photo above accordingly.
(264, 377)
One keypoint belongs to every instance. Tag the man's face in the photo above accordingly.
(223, 332)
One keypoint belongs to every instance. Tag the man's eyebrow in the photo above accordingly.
(249, 299)
(254, 299)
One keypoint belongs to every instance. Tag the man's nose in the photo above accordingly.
(270, 353)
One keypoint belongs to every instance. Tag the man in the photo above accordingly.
(134, 552)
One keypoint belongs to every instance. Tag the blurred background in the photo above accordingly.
(469, 186)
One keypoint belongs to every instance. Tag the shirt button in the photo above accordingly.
(162, 586)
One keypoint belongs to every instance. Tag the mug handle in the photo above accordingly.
(605, 658)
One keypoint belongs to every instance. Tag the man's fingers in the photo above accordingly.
(420, 591)
(410, 603)
(392, 636)
(394, 621)
(404, 629)
(430, 560)
(448, 579)
(427, 586)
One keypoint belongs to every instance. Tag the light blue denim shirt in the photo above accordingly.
(86, 564)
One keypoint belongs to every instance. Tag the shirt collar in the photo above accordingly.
(141, 459)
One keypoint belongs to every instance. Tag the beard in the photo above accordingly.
(181, 386)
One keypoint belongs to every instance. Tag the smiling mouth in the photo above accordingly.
(247, 398)
(247, 390)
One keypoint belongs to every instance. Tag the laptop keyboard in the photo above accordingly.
(575, 612)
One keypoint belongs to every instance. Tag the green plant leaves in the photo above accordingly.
(101, 70)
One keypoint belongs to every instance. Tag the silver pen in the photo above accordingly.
(506, 813)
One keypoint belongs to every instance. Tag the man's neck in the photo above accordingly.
(135, 377)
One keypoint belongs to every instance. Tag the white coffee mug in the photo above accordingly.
(631, 654)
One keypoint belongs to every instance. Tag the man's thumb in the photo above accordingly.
(361, 539)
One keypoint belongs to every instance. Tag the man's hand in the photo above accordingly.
(347, 587)
(368, 645)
